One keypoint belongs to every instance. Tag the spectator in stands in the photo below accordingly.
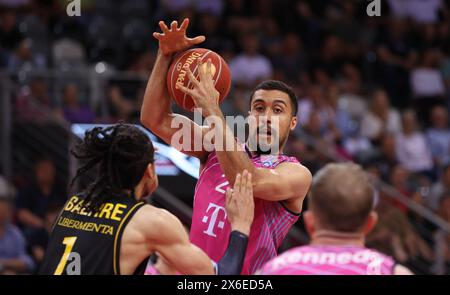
(438, 136)
(73, 110)
(381, 117)
(427, 84)
(13, 257)
(143, 64)
(429, 38)
(351, 98)
(331, 56)
(438, 189)
(386, 159)
(239, 18)
(315, 103)
(23, 58)
(395, 236)
(395, 58)
(313, 126)
(271, 39)
(10, 35)
(412, 149)
(250, 67)
(213, 7)
(356, 145)
(423, 12)
(399, 180)
(33, 104)
(38, 239)
(68, 53)
(33, 201)
(291, 59)
(312, 156)
(341, 117)
(119, 107)
(352, 88)
(211, 26)
(324, 137)
(345, 25)
(16, 4)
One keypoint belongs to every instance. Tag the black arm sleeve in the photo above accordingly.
(233, 259)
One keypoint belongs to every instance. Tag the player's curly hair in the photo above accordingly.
(121, 153)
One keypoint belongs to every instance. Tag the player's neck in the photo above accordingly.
(335, 238)
(256, 154)
(269, 153)
(139, 191)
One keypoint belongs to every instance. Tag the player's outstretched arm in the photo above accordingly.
(240, 208)
(171, 242)
(288, 182)
(156, 112)
(240, 205)
(240, 211)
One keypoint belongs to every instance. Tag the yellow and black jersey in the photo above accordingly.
(86, 242)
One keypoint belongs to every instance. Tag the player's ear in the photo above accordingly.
(293, 122)
(308, 217)
(151, 170)
(371, 222)
(152, 180)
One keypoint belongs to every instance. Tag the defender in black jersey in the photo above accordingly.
(109, 229)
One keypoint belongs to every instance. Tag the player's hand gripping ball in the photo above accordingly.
(178, 74)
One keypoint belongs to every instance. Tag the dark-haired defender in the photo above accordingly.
(109, 229)
(340, 216)
(280, 183)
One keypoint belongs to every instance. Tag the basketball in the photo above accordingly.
(188, 59)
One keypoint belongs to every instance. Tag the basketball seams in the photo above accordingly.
(173, 72)
(182, 98)
(218, 75)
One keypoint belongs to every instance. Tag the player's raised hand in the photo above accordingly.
(240, 204)
(174, 40)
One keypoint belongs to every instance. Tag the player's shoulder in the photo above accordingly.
(294, 168)
(148, 218)
(296, 250)
(284, 259)
(290, 159)
(402, 270)
(152, 215)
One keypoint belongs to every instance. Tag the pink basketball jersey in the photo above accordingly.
(210, 228)
(330, 260)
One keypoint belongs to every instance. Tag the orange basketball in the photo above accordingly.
(188, 59)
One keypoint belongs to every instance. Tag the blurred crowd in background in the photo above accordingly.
(375, 90)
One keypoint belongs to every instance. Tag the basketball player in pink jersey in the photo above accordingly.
(280, 183)
(339, 217)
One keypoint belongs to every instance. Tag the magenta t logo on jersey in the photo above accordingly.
(213, 219)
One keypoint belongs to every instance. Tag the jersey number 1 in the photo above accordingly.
(69, 242)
